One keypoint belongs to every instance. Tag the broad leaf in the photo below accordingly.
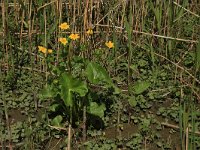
(24, 95)
(140, 87)
(53, 107)
(57, 120)
(132, 101)
(48, 92)
(97, 74)
(97, 110)
(70, 85)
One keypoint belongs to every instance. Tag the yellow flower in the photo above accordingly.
(109, 44)
(89, 32)
(50, 51)
(64, 26)
(63, 41)
(44, 50)
(74, 36)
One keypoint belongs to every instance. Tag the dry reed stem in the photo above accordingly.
(152, 34)
(186, 9)
(177, 127)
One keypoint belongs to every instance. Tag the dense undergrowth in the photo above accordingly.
(99, 74)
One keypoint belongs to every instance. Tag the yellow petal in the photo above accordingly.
(109, 44)
(74, 36)
(64, 26)
(42, 49)
(63, 41)
(89, 32)
(50, 51)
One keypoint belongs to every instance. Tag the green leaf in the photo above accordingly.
(57, 120)
(117, 90)
(53, 107)
(140, 87)
(70, 85)
(24, 95)
(97, 110)
(133, 67)
(142, 63)
(132, 101)
(96, 74)
(47, 92)
(128, 29)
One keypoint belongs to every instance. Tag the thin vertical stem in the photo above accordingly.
(69, 138)
(69, 130)
(84, 123)
(119, 120)
(21, 28)
(4, 26)
(45, 41)
(5, 49)
(186, 138)
(85, 21)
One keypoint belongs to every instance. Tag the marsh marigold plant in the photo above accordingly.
(74, 36)
(50, 51)
(44, 50)
(64, 26)
(109, 44)
(63, 41)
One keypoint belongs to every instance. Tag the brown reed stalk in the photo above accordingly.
(5, 60)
